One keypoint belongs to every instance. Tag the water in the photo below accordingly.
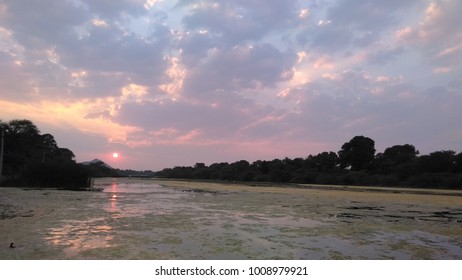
(141, 219)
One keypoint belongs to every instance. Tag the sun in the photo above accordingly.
(115, 155)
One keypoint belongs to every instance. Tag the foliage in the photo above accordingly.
(355, 164)
(358, 153)
(54, 174)
(441, 161)
(33, 159)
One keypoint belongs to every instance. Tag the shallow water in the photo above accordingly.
(141, 219)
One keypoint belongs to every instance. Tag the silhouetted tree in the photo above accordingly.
(324, 162)
(241, 171)
(399, 154)
(277, 171)
(22, 140)
(358, 153)
(261, 170)
(441, 161)
(397, 165)
(399, 160)
(36, 160)
(458, 163)
(201, 171)
(262, 166)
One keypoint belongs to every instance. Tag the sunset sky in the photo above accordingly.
(167, 83)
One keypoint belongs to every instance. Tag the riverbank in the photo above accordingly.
(333, 190)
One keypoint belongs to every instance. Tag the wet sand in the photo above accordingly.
(172, 219)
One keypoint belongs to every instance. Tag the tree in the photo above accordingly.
(36, 160)
(277, 172)
(458, 162)
(25, 128)
(64, 154)
(358, 153)
(241, 170)
(22, 139)
(261, 169)
(262, 166)
(200, 171)
(199, 165)
(441, 161)
(400, 154)
(324, 162)
(2, 140)
(398, 159)
(48, 145)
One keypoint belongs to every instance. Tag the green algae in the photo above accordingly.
(139, 219)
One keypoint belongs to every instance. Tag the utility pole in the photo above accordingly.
(1, 153)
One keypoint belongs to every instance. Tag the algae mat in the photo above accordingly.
(165, 219)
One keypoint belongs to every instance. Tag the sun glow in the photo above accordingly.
(115, 155)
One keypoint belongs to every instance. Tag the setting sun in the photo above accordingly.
(115, 155)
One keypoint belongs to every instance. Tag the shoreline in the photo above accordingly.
(198, 184)
(261, 186)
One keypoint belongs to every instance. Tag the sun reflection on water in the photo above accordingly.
(113, 202)
(113, 198)
(79, 236)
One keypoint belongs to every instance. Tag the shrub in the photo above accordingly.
(62, 175)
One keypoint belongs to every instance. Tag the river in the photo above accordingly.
(154, 219)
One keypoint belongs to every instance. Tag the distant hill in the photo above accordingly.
(97, 162)
(99, 168)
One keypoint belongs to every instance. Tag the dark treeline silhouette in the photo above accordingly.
(356, 163)
(34, 159)
(98, 169)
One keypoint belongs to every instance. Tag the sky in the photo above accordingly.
(173, 83)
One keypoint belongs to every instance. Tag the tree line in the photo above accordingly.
(34, 159)
(356, 163)
(99, 169)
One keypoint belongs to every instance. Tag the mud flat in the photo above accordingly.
(172, 219)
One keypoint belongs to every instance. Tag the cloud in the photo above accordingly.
(195, 46)
(384, 56)
(233, 79)
(72, 115)
(213, 121)
(238, 22)
(437, 36)
(108, 49)
(241, 67)
(385, 108)
(14, 79)
(352, 24)
(368, 15)
(109, 9)
(58, 39)
(39, 25)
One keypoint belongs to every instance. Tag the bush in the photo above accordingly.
(452, 181)
(261, 178)
(425, 180)
(327, 178)
(61, 175)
